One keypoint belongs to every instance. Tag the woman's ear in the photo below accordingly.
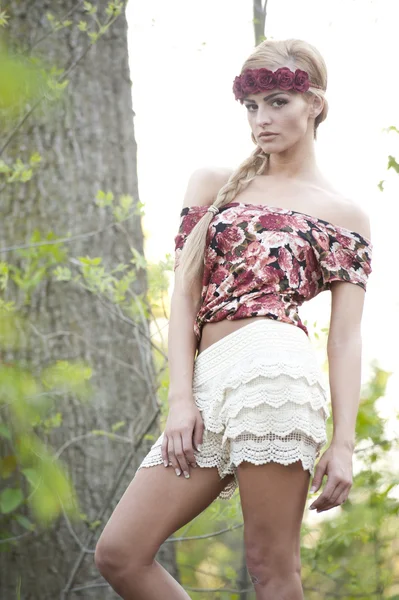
(316, 106)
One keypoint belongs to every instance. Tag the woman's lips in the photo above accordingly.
(265, 136)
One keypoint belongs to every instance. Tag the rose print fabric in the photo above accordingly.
(266, 261)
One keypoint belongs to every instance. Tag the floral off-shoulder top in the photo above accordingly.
(266, 260)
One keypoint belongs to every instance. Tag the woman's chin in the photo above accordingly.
(268, 145)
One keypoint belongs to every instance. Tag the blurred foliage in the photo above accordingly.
(35, 485)
(28, 402)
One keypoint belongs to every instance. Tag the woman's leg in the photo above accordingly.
(156, 504)
(273, 498)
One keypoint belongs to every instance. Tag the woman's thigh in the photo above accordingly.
(156, 504)
(273, 498)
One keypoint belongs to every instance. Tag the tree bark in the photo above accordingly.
(87, 143)
(259, 11)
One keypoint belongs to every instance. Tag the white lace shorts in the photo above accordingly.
(262, 396)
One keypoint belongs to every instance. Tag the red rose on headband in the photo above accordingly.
(257, 80)
(249, 82)
(266, 79)
(285, 78)
(301, 81)
(237, 88)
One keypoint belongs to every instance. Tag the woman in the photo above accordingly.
(250, 410)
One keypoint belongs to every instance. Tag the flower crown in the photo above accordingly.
(253, 81)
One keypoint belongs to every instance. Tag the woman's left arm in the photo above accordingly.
(346, 269)
(344, 351)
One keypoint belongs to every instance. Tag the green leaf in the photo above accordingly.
(35, 157)
(4, 431)
(90, 261)
(3, 18)
(387, 130)
(104, 199)
(126, 201)
(118, 425)
(120, 214)
(392, 164)
(31, 475)
(24, 521)
(10, 499)
(138, 259)
(62, 274)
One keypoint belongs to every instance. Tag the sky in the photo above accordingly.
(183, 58)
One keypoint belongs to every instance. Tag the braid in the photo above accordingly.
(242, 176)
(192, 254)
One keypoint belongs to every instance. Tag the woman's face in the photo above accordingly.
(282, 113)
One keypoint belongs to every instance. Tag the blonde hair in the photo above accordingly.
(270, 54)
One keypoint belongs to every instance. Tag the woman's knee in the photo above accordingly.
(266, 560)
(109, 558)
(141, 522)
(113, 556)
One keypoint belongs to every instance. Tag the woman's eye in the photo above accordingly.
(281, 100)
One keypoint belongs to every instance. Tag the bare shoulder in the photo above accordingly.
(344, 211)
(354, 217)
(204, 184)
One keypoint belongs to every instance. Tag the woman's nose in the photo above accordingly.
(263, 119)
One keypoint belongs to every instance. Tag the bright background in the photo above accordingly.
(184, 55)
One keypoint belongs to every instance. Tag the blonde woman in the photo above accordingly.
(249, 409)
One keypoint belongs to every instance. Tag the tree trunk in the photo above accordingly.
(87, 144)
(259, 11)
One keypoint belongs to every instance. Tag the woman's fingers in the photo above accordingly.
(172, 457)
(187, 440)
(198, 432)
(164, 450)
(332, 496)
(179, 453)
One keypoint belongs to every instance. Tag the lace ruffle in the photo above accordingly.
(262, 397)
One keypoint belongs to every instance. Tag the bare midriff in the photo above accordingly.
(213, 332)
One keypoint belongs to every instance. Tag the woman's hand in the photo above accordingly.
(184, 426)
(336, 463)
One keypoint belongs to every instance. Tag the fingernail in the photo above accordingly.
(186, 475)
(312, 490)
(195, 465)
(165, 462)
(178, 472)
(199, 447)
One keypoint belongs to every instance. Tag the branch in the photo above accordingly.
(205, 535)
(259, 20)
(100, 351)
(126, 464)
(50, 33)
(60, 240)
(59, 80)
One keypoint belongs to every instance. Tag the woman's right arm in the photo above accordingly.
(184, 424)
(184, 427)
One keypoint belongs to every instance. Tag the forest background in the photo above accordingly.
(99, 138)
